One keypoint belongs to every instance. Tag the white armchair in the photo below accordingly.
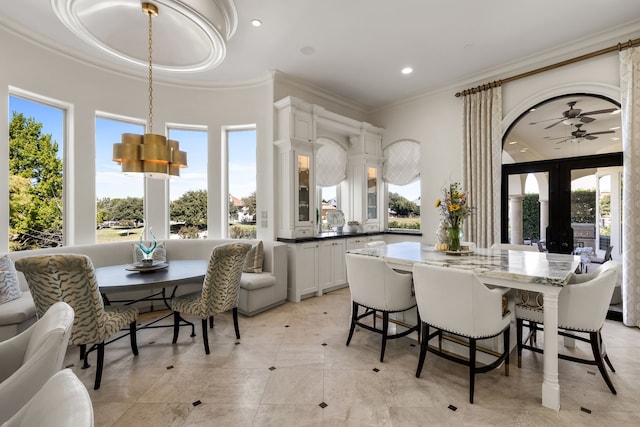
(62, 402)
(31, 358)
(377, 287)
(582, 308)
(455, 301)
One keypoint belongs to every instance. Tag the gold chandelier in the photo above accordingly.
(150, 154)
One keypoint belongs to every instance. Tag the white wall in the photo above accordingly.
(435, 120)
(88, 89)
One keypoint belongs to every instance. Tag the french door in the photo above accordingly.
(556, 207)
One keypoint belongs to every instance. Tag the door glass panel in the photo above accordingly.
(583, 208)
(527, 204)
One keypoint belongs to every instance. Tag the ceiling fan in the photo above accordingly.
(575, 116)
(580, 135)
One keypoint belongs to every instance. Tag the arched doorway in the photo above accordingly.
(570, 146)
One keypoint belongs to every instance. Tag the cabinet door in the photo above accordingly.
(331, 264)
(339, 264)
(307, 278)
(372, 193)
(305, 215)
(325, 269)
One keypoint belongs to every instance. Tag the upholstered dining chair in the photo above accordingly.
(455, 301)
(220, 290)
(71, 278)
(376, 287)
(63, 401)
(32, 357)
(582, 309)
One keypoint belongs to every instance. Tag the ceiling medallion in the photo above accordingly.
(191, 34)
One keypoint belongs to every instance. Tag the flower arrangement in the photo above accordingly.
(453, 205)
(454, 209)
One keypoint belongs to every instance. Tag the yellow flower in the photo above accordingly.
(438, 202)
(454, 208)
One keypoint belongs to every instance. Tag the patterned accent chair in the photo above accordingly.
(220, 290)
(377, 287)
(32, 357)
(71, 278)
(582, 309)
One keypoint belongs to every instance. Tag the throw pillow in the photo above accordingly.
(9, 285)
(160, 254)
(254, 258)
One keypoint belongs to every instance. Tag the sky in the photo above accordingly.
(111, 182)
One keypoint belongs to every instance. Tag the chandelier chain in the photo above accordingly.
(150, 123)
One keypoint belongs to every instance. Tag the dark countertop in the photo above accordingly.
(336, 235)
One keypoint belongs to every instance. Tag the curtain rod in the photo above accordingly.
(618, 47)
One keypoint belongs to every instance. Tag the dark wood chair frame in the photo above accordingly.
(356, 320)
(470, 361)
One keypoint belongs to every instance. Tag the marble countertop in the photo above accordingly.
(529, 267)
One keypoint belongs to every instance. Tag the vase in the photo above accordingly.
(454, 234)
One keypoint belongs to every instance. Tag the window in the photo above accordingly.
(401, 172)
(188, 192)
(331, 170)
(241, 181)
(119, 197)
(36, 171)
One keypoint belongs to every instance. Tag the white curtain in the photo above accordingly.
(481, 162)
(331, 163)
(401, 162)
(630, 97)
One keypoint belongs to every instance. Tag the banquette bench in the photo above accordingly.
(258, 291)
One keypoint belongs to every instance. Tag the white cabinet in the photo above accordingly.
(316, 267)
(298, 125)
(332, 270)
(302, 267)
(296, 183)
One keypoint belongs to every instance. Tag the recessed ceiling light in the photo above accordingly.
(615, 128)
(615, 112)
(256, 22)
(513, 142)
(407, 70)
(524, 150)
(533, 109)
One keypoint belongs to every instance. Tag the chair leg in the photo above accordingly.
(519, 340)
(83, 352)
(205, 336)
(235, 321)
(99, 364)
(472, 367)
(606, 356)
(423, 348)
(385, 332)
(133, 338)
(210, 322)
(354, 316)
(176, 326)
(507, 349)
(597, 355)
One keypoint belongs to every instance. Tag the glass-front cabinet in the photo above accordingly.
(303, 174)
(372, 194)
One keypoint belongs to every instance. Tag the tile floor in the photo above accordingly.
(291, 368)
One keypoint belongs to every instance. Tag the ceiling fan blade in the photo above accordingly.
(546, 120)
(585, 119)
(590, 137)
(556, 123)
(602, 132)
(591, 113)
